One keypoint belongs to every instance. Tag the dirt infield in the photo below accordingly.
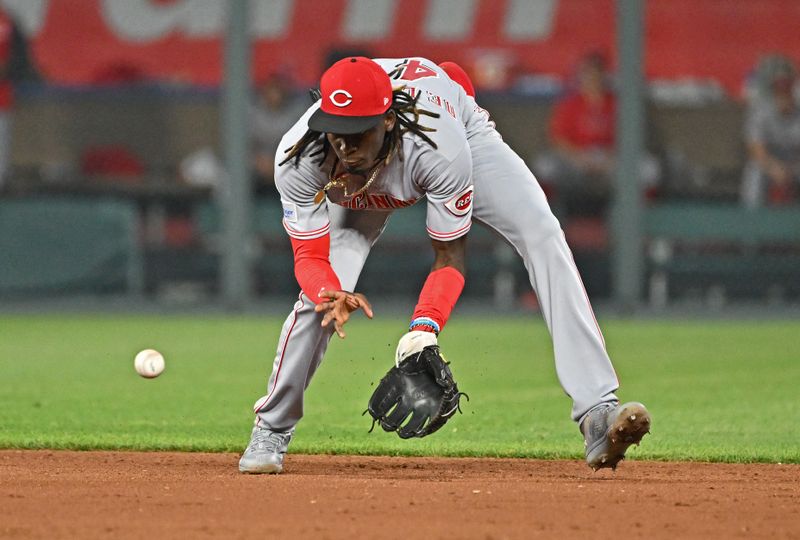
(49, 494)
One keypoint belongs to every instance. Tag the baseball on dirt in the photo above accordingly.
(149, 363)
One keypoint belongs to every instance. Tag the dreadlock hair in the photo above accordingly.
(407, 113)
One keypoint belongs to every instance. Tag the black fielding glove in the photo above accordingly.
(417, 397)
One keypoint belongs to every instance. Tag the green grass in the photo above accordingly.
(718, 391)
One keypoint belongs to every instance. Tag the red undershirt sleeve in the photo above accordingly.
(312, 267)
(437, 299)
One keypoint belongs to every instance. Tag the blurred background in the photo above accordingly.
(137, 140)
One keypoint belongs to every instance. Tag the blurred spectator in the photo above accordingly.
(112, 163)
(15, 66)
(579, 169)
(119, 73)
(21, 67)
(202, 168)
(275, 110)
(772, 134)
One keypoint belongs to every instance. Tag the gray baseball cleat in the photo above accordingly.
(609, 429)
(265, 452)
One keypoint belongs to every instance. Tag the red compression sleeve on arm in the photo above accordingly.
(437, 298)
(312, 267)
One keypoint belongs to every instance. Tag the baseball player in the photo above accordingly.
(385, 134)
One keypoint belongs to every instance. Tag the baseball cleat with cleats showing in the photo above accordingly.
(264, 454)
(610, 429)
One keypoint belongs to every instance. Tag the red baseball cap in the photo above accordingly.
(356, 93)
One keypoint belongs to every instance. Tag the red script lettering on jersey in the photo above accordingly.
(374, 201)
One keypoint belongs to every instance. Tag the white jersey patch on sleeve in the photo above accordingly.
(461, 204)
(290, 212)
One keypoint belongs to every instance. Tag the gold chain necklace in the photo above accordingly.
(341, 183)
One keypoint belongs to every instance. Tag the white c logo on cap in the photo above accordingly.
(344, 102)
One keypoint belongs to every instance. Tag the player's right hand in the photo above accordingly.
(338, 307)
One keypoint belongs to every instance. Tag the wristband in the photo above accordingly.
(425, 324)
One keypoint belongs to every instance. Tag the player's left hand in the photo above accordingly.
(339, 306)
(416, 397)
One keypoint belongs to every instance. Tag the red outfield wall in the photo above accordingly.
(81, 41)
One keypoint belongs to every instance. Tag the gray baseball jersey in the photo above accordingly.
(442, 174)
(507, 199)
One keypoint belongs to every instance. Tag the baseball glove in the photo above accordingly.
(417, 396)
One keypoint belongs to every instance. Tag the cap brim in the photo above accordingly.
(343, 125)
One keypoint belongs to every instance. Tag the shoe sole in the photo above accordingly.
(629, 427)
(266, 469)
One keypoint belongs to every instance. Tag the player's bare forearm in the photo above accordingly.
(450, 253)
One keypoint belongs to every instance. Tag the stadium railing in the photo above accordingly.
(53, 246)
(721, 250)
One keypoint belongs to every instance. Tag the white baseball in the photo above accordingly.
(149, 363)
